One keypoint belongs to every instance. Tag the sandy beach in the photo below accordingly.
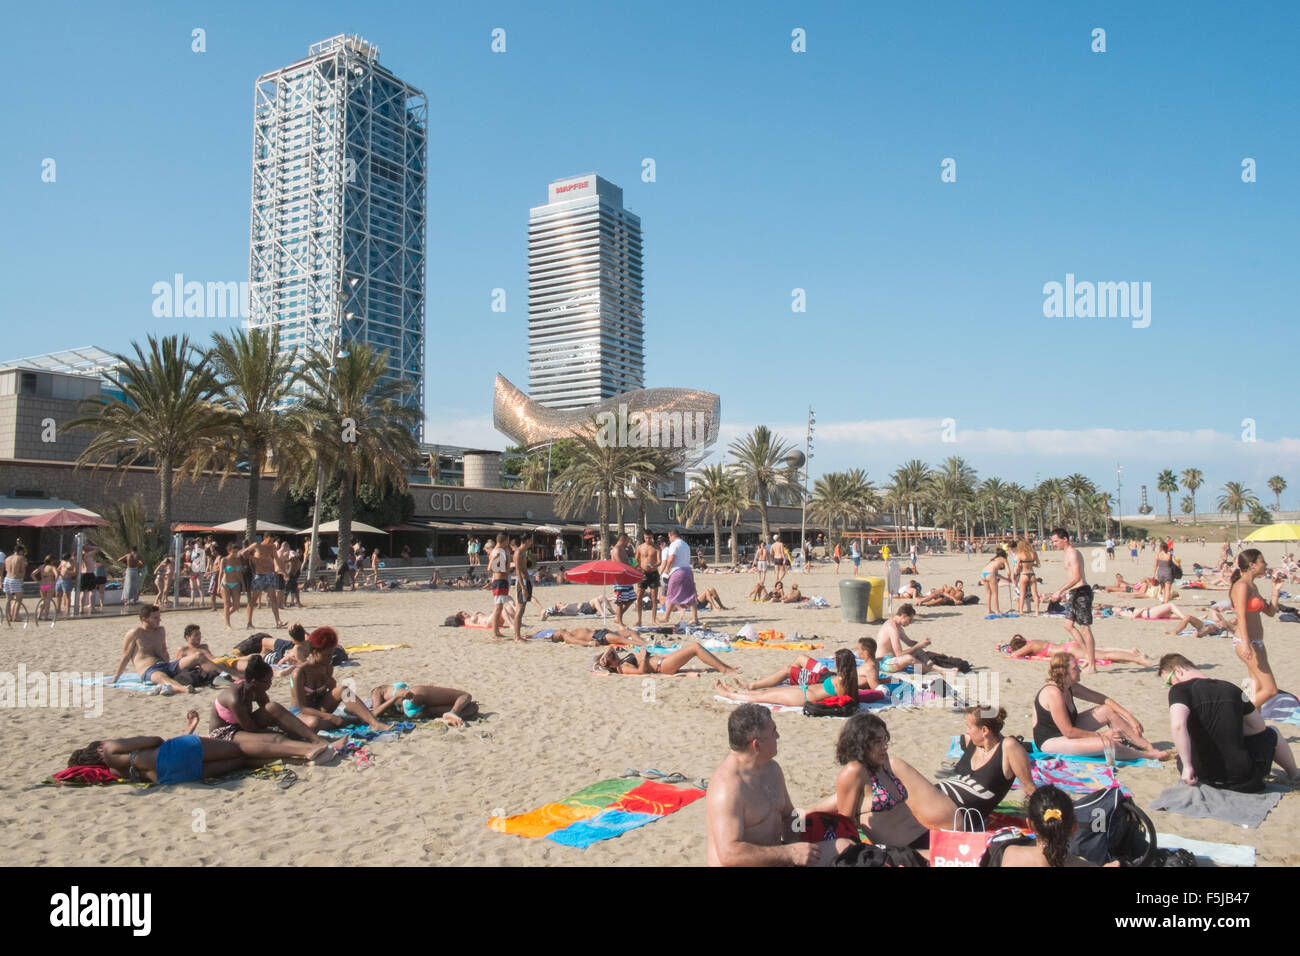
(551, 728)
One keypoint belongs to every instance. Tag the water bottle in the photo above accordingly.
(1108, 747)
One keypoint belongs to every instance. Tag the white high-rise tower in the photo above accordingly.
(585, 335)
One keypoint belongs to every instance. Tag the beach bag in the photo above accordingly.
(998, 842)
(1176, 567)
(838, 706)
(820, 825)
(1111, 827)
(963, 845)
(874, 855)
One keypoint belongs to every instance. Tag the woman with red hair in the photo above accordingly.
(317, 696)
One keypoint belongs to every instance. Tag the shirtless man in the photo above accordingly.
(1078, 609)
(748, 813)
(523, 580)
(65, 585)
(499, 568)
(794, 597)
(86, 570)
(647, 559)
(146, 647)
(262, 555)
(291, 560)
(15, 574)
(195, 651)
(897, 650)
(780, 558)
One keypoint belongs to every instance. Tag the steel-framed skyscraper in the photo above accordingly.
(586, 339)
(337, 235)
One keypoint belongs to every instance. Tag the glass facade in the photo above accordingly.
(337, 234)
(586, 339)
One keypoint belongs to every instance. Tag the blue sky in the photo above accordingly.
(775, 170)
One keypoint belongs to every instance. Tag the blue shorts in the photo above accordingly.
(264, 582)
(170, 668)
(180, 760)
(63, 586)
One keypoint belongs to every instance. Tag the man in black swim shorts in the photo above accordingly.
(1078, 608)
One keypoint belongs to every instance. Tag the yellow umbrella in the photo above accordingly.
(1275, 532)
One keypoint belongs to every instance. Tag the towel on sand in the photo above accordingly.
(1209, 854)
(778, 646)
(1243, 809)
(1073, 777)
(601, 811)
(368, 648)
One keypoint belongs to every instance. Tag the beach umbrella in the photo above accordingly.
(603, 573)
(332, 527)
(238, 526)
(1275, 532)
(63, 518)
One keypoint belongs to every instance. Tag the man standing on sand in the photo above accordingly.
(87, 580)
(749, 817)
(499, 569)
(647, 559)
(1078, 605)
(15, 574)
(523, 581)
(262, 556)
(680, 589)
(134, 565)
(780, 558)
(146, 647)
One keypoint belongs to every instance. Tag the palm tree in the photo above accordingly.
(992, 491)
(359, 428)
(532, 476)
(1016, 497)
(1193, 478)
(1187, 504)
(256, 384)
(1167, 484)
(863, 499)
(1077, 486)
(955, 482)
(1237, 498)
(1053, 492)
(166, 417)
(911, 485)
(1277, 485)
(762, 469)
(710, 497)
(831, 502)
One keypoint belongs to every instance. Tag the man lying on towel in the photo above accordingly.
(749, 816)
(1222, 740)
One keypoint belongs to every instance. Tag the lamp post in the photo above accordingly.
(803, 518)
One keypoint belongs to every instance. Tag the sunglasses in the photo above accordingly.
(1169, 680)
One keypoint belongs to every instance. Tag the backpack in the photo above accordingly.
(874, 855)
(1000, 840)
(831, 707)
(955, 663)
(1111, 827)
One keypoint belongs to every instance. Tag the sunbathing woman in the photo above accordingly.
(886, 796)
(758, 592)
(989, 765)
(597, 605)
(1020, 648)
(1060, 729)
(911, 592)
(1156, 612)
(1220, 624)
(642, 663)
(453, 707)
(707, 599)
(1123, 587)
(316, 694)
(809, 682)
(991, 575)
(482, 619)
(190, 758)
(245, 708)
(1248, 639)
(589, 637)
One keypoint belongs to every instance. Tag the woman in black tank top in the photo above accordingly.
(982, 788)
(1060, 729)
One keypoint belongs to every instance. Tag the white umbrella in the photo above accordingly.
(332, 527)
(240, 524)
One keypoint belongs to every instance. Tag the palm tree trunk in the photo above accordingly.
(762, 513)
(347, 494)
(604, 522)
(717, 541)
(1169, 507)
(619, 504)
(162, 533)
(257, 454)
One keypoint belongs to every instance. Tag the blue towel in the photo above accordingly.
(128, 681)
(1036, 754)
(605, 825)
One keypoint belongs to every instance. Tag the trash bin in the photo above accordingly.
(855, 600)
(876, 602)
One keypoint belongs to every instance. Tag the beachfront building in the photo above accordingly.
(337, 235)
(585, 323)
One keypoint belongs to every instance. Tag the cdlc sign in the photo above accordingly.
(447, 501)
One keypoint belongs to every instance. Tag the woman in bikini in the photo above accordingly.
(244, 709)
(810, 683)
(991, 575)
(232, 580)
(592, 637)
(1164, 571)
(1059, 728)
(315, 693)
(642, 663)
(46, 574)
(453, 707)
(886, 796)
(190, 758)
(1026, 576)
(1020, 648)
(1248, 640)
